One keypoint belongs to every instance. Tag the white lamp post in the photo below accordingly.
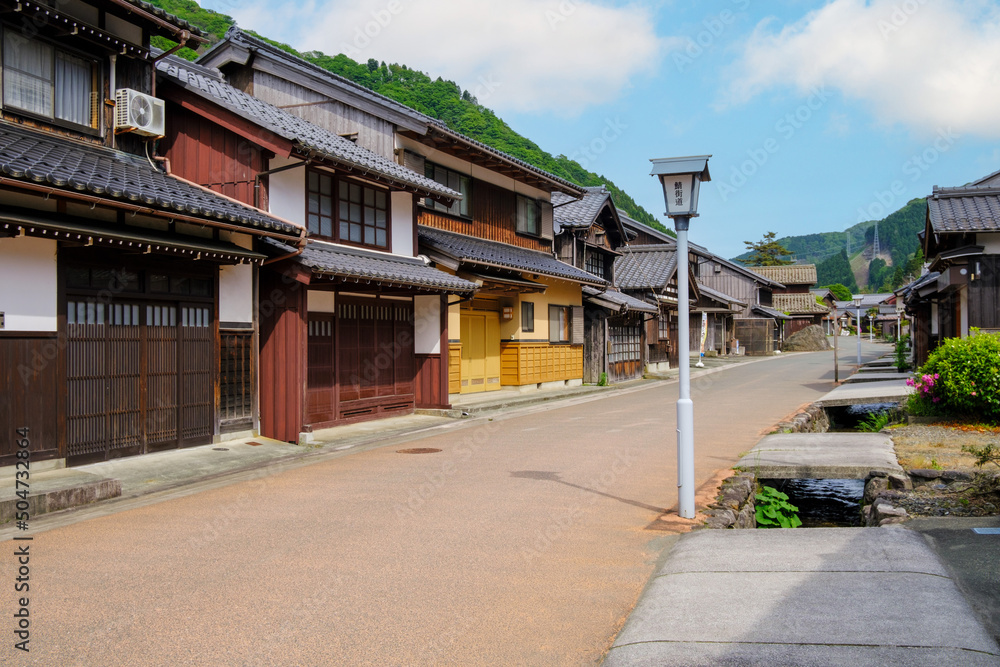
(871, 328)
(681, 179)
(857, 305)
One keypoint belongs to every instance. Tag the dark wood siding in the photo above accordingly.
(494, 217)
(984, 293)
(375, 357)
(645, 238)
(731, 283)
(282, 357)
(430, 392)
(212, 156)
(30, 398)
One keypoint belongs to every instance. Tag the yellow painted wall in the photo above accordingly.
(559, 293)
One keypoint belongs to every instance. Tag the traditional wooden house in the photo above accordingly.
(353, 325)
(120, 280)
(735, 303)
(829, 300)
(961, 242)
(588, 234)
(794, 297)
(649, 273)
(524, 328)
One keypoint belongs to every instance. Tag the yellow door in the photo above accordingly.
(480, 352)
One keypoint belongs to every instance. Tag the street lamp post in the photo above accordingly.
(681, 179)
(857, 305)
(871, 328)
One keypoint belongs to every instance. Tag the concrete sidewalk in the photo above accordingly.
(822, 596)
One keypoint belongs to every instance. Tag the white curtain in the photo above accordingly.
(73, 89)
(27, 81)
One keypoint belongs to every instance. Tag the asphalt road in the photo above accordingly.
(525, 541)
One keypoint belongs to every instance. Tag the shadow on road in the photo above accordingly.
(554, 477)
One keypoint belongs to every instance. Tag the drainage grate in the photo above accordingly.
(418, 450)
(220, 449)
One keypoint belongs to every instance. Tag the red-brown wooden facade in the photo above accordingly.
(494, 218)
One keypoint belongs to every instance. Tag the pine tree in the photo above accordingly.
(767, 252)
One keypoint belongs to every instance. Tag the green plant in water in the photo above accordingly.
(774, 510)
(876, 421)
(603, 380)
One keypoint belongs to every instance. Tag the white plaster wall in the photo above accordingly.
(287, 192)
(990, 243)
(28, 298)
(402, 223)
(236, 294)
(934, 319)
(321, 302)
(427, 324)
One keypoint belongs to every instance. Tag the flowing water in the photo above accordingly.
(823, 503)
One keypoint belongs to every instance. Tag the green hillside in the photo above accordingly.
(440, 99)
(898, 243)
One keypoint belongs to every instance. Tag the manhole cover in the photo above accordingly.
(418, 450)
(220, 449)
(255, 444)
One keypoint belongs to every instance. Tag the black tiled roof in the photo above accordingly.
(623, 301)
(491, 253)
(381, 268)
(571, 212)
(67, 164)
(209, 84)
(721, 297)
(770, 312)
(648, 267)
(966, 209)
(249, 42)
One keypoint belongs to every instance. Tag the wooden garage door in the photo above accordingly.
(140, 376)
(374, 356)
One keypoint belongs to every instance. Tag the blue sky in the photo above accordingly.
(817, 114)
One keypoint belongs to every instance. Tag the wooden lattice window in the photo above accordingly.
(236, 378)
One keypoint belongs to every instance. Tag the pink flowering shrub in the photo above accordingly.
(961, 378)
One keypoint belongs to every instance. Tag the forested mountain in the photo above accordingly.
(846, 257)
(440, 99)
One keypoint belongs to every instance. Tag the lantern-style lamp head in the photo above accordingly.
(681, 178)
(857, 301)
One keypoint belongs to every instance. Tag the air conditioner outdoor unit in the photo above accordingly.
(138, 113)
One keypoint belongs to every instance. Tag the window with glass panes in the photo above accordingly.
(455, 181)
(529, 215)
(364, 215)
(595, 263)
(43, 80)
(347, 211)
(320, 195)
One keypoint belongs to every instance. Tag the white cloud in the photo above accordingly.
(520, 55)
(926, 64)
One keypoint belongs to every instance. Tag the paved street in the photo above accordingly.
(526, 540)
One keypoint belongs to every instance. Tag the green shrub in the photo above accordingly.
(774, 510)
(962, 378)
(902, 346)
